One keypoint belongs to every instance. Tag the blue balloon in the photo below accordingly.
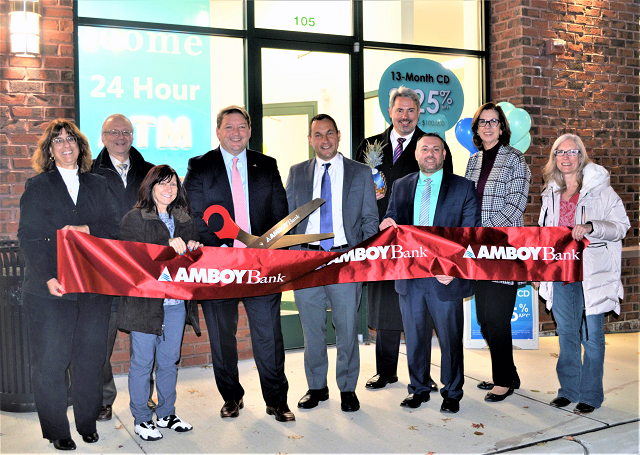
(464, 135)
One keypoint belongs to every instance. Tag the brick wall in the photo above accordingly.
(590, 90)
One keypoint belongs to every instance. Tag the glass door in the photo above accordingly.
(296, 85)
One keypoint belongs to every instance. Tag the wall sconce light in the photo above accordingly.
(25, 27)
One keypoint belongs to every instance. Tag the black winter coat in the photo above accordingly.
(45, 207)
(126, 197)
(144, 314)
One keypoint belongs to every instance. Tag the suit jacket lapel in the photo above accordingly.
(414, 187)
(60, 189)
(442, 195)
(346, 185)
(220, 180)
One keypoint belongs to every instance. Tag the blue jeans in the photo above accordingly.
(166, 350)
(580, 378)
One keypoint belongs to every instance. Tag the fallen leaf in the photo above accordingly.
(413, 427)
(120, 447)
(430, 453)
(525, 407)
(206, 366)
(606, 342)
(478, 433)
(533, 390)
(477, 425)
(192, 391)
(570, 438)
(551, 391)
(446, 420)
(293, 436)
(553, 354)
(120, 427)
(614, 368)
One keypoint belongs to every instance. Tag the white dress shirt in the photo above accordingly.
(336, 173)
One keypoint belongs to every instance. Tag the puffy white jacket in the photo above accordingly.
(602, 259)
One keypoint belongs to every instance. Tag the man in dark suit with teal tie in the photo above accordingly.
(433, 197)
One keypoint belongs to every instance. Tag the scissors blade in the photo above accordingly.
(291, 240)
(286, 224)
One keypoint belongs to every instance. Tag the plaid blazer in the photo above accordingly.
(506, 191)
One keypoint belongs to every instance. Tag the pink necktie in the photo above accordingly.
(239, 202)
(398, 150)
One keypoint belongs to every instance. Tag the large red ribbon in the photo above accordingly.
(91, 264)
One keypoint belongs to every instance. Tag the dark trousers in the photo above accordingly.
(416, 306)
(387, 350)
(494, 309)
(263, 313)
(109, 390)
(67, 334)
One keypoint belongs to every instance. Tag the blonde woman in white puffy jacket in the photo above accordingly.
(578, 194)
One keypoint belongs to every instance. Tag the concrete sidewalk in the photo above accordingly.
(523, 423)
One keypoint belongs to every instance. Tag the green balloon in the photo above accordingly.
(519, 123)
(523, 144)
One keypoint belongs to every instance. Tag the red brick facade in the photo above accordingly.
(591, 89)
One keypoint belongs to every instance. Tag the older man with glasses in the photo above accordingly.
(124, 168)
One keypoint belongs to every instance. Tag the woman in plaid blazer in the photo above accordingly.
(502, 181)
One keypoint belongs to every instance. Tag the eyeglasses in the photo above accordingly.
(557, 152)
(493, 122)
(60, 140)
(116, 133)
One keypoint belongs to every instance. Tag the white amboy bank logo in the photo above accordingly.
(214, 276)
(536, 253)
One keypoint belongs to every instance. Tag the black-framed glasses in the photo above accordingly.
(116, 133)
(493, 122)
(60, 140)
(572, 152)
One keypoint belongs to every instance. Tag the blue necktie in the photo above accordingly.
(326, 216)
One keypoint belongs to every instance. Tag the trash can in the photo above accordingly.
(16, 393)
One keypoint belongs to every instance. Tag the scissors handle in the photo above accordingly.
(229, 228)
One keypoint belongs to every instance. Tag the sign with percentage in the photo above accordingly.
(524, 321)
(440, 92)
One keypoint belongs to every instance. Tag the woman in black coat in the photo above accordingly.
(66, 331)
(162, 217)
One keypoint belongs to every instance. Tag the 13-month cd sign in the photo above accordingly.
(440, 91)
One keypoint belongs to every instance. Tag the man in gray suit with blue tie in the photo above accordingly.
(433, 197)
(351, 213)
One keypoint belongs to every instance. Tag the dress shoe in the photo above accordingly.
(349, 402)
(105, 413)
(63, 444)
(282, 412)
(492, 397)
(582, 408)
(560, 402)
(90, 438)
(487, 385)
(432, 385)
(231, 408)
(414, 400)
(313, 397)
(379, 381)
(450, 405)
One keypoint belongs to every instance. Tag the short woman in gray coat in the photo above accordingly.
(161, 216)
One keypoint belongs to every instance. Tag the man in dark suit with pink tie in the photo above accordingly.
(248, 185)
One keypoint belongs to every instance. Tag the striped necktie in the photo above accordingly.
(398, 150)
(424, 204)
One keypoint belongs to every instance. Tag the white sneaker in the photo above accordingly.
(175, 423)
(148, 431)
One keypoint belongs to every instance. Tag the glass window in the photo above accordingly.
(452, 24)
(466, 69)
(328, 17)
(170, 85)
(297, 85)
(202, 13)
